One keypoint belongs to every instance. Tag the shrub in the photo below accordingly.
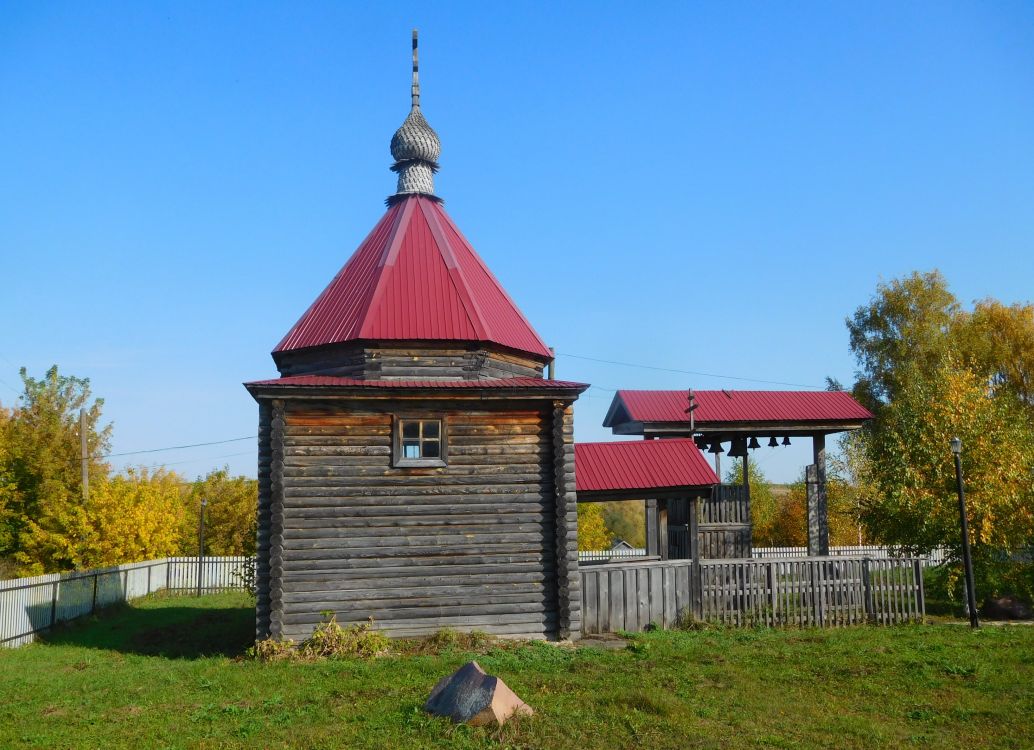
(328, 640)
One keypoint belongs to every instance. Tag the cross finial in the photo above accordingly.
(416, 73)
(415, 146)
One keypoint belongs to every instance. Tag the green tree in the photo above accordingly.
(592, 530)
(763, 508)
(996, 341)
(931, 370)
(231, 514)
(626, 520)
(903, 329)
(40, 460)
(790, 526)
(908, 497)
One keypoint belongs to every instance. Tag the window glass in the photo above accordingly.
(420, 439)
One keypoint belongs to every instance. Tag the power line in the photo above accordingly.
(4, 382)
(195, 460)
(686, 372)
(178, 447)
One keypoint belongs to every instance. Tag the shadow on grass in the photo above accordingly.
(171, 632)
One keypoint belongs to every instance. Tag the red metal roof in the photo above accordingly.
(740, 406)
(415, 278)
(333, 381)
(641, 465)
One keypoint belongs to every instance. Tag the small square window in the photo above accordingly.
(419, 442)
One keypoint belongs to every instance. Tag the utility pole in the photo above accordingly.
(967, 559)
(84, 452)
(201, 544)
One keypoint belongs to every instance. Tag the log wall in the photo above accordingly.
(473, 545)
(262, 543)
(399, 362)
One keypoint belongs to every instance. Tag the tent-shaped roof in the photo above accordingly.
(634, 466)
(415, 278)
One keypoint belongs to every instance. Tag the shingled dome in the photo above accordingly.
(416, 139)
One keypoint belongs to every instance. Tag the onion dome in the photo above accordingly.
(415, 147)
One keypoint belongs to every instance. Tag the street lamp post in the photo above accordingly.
(967, 559)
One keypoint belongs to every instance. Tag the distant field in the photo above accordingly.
(163, 674)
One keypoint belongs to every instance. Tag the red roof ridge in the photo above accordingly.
(387, 259)
(455, 271)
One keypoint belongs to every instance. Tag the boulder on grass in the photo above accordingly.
(1006, 608)
(469, 696)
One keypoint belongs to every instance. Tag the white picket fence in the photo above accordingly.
(874, 551)
(603, 555)
(32, 605)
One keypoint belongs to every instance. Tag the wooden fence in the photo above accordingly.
(32, 605)
(812, 591)
(801, 591)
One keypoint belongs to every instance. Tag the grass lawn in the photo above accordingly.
(164, 673)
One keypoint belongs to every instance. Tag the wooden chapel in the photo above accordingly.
(415, 467)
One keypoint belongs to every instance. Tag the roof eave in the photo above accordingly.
(758, 429)
(544, 356)
(261, 391)
(640, 493)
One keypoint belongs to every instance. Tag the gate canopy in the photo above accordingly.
(640, 469)
(727, 414)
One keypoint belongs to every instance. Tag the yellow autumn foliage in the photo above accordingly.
(592, 529)
(231, 514)
(128, 517)
(908, 494)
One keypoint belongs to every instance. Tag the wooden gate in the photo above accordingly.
(722, 523)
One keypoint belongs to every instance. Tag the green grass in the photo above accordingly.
(165, 673)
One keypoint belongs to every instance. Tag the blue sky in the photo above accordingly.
(709, 188)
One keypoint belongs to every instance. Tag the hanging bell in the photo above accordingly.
(716, 447)
(753, 443)
(701, 442)
(738, 449)
(786, 440)
(773, 442)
